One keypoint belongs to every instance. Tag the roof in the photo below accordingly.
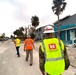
(40, 26)
(62, 19)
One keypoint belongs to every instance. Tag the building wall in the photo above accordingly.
(67, 34)
(64, 34)
(39, 33)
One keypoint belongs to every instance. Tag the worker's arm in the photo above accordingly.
(66, 58)
(14, 42)
(33, 46)
(24, 45)
(33, 43)
(41, 61)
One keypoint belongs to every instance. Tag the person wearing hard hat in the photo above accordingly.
(17, 45)
(51, 54)
(28, 47)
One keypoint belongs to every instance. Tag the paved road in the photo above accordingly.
(10, 64)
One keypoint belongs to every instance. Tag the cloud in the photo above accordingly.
(8, 19)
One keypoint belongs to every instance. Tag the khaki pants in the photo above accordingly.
(29, 53)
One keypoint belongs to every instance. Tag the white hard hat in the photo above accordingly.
(15, 36)
(48, 29)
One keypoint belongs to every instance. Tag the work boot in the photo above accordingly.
(30, 64)
(18, 55)
(26, 59)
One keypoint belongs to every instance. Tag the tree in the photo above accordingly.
(35, 21)
(21, 28)
(18, 32)
(58, 7)
(32, 32)
(3, 35)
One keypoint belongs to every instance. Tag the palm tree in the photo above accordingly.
(58, 7)
(35, 23)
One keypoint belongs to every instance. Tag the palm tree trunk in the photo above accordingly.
(58, 27)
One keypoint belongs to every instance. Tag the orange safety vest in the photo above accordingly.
(28, 43)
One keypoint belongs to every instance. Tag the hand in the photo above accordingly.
(43, 72)
(24, 49)
(66, 68)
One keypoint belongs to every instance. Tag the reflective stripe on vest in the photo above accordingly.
(52, 59)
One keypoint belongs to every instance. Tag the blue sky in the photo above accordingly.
(18, 13)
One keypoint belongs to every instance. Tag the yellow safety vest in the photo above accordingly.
(17, 42)
(54, 56)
